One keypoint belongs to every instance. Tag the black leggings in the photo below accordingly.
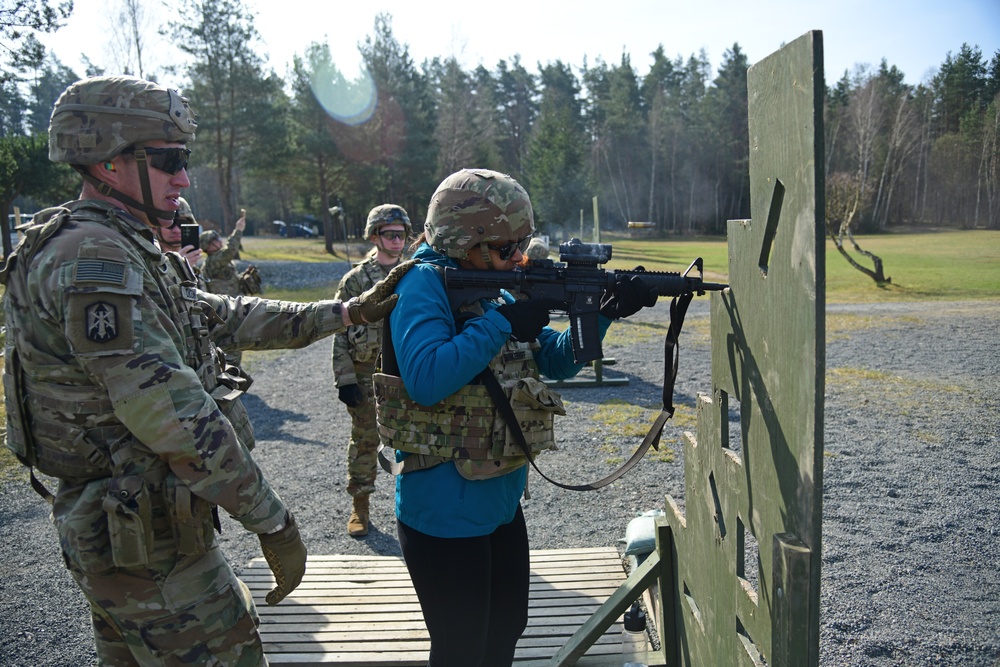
(473, 592)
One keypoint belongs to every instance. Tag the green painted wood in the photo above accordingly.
(610, 611)
(746, 579)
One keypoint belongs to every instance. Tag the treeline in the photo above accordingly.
(668, 147)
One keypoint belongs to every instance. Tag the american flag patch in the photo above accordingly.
(100, 271)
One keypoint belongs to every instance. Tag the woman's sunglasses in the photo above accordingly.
(168, 160)
(507, 250)
(392, 235)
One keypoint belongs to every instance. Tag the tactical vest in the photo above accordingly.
(67, 429)
(365, 339)
(466, 427)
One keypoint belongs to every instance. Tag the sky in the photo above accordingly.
(913, 35)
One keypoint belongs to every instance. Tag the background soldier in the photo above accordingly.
(220, 258)
(354, 353)
(537, 251)
(170, 237)
(112, 386)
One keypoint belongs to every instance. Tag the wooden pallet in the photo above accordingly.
(361, 610)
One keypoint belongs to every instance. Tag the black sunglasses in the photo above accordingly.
(168, 160)
(178, 221)
(507, 250)
(392, 234)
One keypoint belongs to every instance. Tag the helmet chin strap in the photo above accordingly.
(484, 249)
(153, 215)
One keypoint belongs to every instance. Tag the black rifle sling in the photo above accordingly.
(671, 359)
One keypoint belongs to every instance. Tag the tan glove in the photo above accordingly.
(286, 556)
(377, 302)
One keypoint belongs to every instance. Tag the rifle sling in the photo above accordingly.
(671, 359)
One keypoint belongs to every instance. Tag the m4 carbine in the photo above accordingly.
(577, 282)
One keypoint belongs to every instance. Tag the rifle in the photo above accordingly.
(577, 282)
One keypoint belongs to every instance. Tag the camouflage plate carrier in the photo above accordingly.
(466, 427)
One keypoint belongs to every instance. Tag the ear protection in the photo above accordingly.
(109, 166)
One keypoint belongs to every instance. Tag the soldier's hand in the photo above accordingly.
(377, 302)
(286, 556)
(350, 395)
(627, 298)
(528, 317)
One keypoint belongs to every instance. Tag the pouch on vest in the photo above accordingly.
(535, 406)
(18, 435)
(130, 520)
(192, 519)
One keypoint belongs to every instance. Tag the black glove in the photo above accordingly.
(528, 316)
(350, 395)
(286, 556)
(628, 296)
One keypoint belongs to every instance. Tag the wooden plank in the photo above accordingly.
(361, 610)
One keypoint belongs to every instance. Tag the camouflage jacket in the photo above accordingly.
(95, 325)
(219, 269)
(360, 343)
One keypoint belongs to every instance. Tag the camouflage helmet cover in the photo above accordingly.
(537, 249)
(386, 214)
(95, 119)
(207, 237)
(184, 211)
(476, 206)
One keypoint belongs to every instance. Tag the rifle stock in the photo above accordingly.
(577, 282)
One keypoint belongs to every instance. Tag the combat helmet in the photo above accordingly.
(537, 249)
(207, 237)
(184, 212)
(386, 214)
(475, 207)
(98, 118)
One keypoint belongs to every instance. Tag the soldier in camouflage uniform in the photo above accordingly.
(218, 270)
(354, 353)
(170, 238)
(220, 258)
(461, 476)
(113, 386)
(537, 251)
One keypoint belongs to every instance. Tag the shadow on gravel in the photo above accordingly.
(269, 423)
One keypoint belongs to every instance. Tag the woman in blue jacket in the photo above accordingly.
(459, 518)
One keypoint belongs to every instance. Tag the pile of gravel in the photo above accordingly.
(912, 476)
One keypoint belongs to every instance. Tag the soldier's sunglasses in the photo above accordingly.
(392, 235)
(168, 160)
(507, 250)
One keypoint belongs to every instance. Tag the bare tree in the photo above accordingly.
(844, 197)
(866, 110)
(902, 139)
(128, 43)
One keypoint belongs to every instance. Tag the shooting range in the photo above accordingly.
(734, 578)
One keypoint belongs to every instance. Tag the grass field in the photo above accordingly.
(929, 266)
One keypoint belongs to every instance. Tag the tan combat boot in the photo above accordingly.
(357, 525)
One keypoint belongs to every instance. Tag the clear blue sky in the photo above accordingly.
(914, 35)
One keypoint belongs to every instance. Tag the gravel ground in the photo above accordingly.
(912, 475)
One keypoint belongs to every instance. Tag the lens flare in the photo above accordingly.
(350, 102)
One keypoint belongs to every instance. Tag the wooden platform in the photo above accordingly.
(361, 610)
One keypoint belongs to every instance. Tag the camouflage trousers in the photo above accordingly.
(362, 462)
(188, 611)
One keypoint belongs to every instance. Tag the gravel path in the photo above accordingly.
(912, 478)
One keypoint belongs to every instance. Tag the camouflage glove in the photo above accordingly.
(286, 556)
(627, 298)
(528, 316)
(377, 302)
(350, 395)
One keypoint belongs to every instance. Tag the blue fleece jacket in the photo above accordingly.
(435, 362)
